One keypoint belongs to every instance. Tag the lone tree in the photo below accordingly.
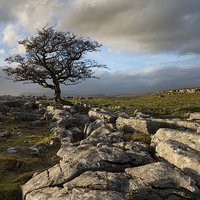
(53, 58)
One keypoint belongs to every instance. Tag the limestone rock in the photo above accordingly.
(93, 126)
(81, 120)
(103, 166)
(191, 139)
(104, 115)
(12, 150)
(184, 157)
(141, 125)
(193, 116)
(166, 181)
(95, 195)
(49, 193)
(104, 136)
(5, 134)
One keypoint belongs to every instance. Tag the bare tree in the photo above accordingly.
(53, 58)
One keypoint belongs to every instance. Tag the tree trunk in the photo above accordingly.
(57, 96)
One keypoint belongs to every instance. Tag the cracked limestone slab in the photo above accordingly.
(166, 180)
(85, 194)
(49, 193)
(182, 156)
(191, 139)
(74, 163)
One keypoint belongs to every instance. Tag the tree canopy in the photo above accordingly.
(53, 58)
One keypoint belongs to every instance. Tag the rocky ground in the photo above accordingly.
(100, 162)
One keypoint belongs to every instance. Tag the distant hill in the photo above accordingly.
(121, 96)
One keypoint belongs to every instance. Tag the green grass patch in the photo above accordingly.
(141, 137)
(164, 106)
(17, 168)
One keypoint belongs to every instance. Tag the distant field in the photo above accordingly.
(161, 103)
(122, 96)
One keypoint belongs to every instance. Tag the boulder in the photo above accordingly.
(140, 125)
(81, 120)
(191, 139)
(165, 181)
(78, 160)
(12, 150)
(104, 136)
(5, 134)
(193, 116)
(71, 109)
(182, 156)
(93, 126)
(104, 115)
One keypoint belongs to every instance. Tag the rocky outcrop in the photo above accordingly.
(180, 148)
(98, 162)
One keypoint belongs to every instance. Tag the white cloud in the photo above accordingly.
(2, 51)
(10, 35)
(145, 26)
(18, 50)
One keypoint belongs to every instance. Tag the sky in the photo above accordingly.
(148, 45)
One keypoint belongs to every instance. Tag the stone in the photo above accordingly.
(60, 131)
(104, 136)
(30, 105)
(20, 134)
(191, 139)
(78, 160)
(81, 120)
(182, 156)
(5, 134)
(104, 115)
(166, 181)
(136, 146)
(100, 180)
(193, 116)
(53, 193)
(12, 150)
(95, 195)
(77, 134)
(93, 126)
(140, 125)
(98, 163)
(36, 123)
(71, 109)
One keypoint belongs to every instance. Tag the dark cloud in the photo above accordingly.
(119, 82)
(139, 26)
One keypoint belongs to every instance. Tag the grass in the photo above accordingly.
(164, 106)
(17, 168)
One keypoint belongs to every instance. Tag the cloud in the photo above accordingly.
(145, 26)
(2, 51)
(146, 80)
(10, 35)
(149, 79)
